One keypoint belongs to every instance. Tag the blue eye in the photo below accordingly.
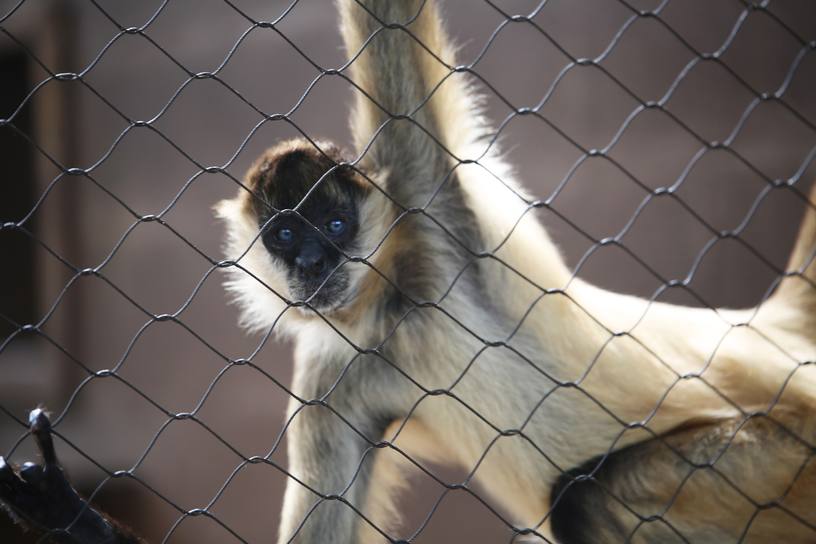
(335, 226)
(284, 234)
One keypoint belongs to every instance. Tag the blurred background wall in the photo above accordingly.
(146, 135)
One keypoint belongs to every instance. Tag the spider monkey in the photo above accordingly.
(434, 319)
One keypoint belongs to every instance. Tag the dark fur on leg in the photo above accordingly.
(39, 497)
(693, 485)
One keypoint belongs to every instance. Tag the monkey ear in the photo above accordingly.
(238, 217)
(227, 209)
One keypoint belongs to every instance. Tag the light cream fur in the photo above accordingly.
(623, 357)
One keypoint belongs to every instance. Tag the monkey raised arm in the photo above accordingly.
(402, 61)
(39, 497)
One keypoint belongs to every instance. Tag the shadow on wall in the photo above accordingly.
(102, 321)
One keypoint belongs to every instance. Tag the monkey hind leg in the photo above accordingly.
(723, 482)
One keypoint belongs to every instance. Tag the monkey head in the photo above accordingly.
(298, 232)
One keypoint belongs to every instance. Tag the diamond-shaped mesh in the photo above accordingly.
(665, 144)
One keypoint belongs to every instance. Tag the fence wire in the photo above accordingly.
(94, 174)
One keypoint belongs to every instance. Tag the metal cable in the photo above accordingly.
(573, 63)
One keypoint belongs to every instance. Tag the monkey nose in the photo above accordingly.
(312, 264)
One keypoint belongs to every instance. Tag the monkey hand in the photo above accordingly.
(39, 496)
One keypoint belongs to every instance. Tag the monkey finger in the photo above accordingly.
(7, 475)
(40, 427)
(31, 473)
(10, 482)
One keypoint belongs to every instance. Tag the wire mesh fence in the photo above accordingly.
(666, 146)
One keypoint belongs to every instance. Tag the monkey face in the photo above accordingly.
(292, 230)
(312, 241)
(308, 213)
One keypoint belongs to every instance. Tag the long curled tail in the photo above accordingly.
(798, 289)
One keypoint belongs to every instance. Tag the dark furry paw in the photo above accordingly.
(39, 496)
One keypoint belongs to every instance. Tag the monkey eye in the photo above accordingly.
(284, 234)
(335, 226)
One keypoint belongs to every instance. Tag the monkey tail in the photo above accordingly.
(797, 289)
(782, 357)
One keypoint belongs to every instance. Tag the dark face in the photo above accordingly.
(310, 234)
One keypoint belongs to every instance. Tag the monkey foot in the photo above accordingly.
(39, 496)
